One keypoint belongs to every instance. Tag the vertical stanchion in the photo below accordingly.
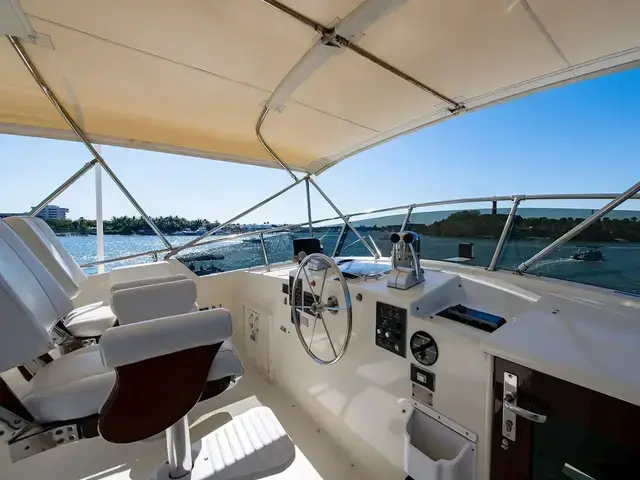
(99, 225)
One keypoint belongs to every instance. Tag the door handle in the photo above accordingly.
(509, 402)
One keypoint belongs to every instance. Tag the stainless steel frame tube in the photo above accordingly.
(70, 181)
(345, 219)
(579, 228)
(306, 184)
(504, 235)
(78, 131)
(231, 220)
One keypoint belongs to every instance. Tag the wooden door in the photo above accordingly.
(586, 435)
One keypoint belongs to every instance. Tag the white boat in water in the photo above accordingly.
(324, 367)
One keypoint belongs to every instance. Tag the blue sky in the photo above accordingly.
(583, 137)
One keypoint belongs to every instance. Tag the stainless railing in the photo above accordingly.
(516, 201)
(338, 41)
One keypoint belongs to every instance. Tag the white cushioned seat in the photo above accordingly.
(42, 251)
(47, 248)
(77, 384)
(73, 386)
(227, 363)
(91, 320)
(87, 321)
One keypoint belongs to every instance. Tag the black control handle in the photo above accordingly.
(408, 238)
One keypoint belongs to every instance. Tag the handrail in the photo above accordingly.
(503, 198)
(285, 228)
(199, 244)
(586, 223)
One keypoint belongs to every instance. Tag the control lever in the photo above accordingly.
(405, 261)
(416, 262)
(395, 238)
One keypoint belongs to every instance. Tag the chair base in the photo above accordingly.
(41, 440)
(252, 445)
(164, 472)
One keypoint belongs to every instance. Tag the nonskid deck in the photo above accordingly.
(316, 455)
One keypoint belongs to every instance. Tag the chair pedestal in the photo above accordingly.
(179, 449)
(180, 453)
(251, 445)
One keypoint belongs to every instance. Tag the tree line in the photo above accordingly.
(130, 225)
(473, 224)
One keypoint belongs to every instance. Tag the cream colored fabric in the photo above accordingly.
(160, 299)
(48, 248)
(135, 342)
(91, 320)
(191, 77)
(76, 385)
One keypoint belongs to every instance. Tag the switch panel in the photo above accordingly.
(391, 328)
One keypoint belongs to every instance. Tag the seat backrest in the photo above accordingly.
(46, 246)
(31, 303)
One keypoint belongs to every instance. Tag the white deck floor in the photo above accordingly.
(317, 457)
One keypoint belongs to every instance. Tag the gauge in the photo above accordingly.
(424, 348)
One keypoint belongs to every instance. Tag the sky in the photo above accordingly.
(579, 138)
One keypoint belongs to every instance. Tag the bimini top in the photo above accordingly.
(193, 77)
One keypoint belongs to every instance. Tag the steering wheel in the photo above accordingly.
(319, 307)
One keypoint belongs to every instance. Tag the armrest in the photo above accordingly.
(158, 300)
(127, 344)
(146, 281)
(140, 271)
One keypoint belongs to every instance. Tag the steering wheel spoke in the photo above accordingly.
(318, 306)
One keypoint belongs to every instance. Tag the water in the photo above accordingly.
(619, 271)
(237, 254)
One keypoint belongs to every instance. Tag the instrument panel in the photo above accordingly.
(391, 328)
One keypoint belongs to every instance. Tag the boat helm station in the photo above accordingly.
(384, 365)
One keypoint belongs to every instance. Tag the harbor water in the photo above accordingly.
(620, 269)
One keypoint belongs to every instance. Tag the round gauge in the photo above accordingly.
(424, 348)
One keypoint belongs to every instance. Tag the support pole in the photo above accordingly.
(342, 236)
(505, 233)
(306, 184)
(264, 253)
(70, 181)
(179, 449)
(263, 115)
(407, 218)
(191, 243)
(99, 224)
(579, 228)
(80, 134)
(345, 220)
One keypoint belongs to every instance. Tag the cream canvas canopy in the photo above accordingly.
(335, 76)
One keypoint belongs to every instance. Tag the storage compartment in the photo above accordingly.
(433, 451)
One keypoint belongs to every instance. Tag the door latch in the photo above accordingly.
(511, 410)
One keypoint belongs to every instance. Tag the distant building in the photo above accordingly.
(252, 227)
(4, 215)
(53, 212)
